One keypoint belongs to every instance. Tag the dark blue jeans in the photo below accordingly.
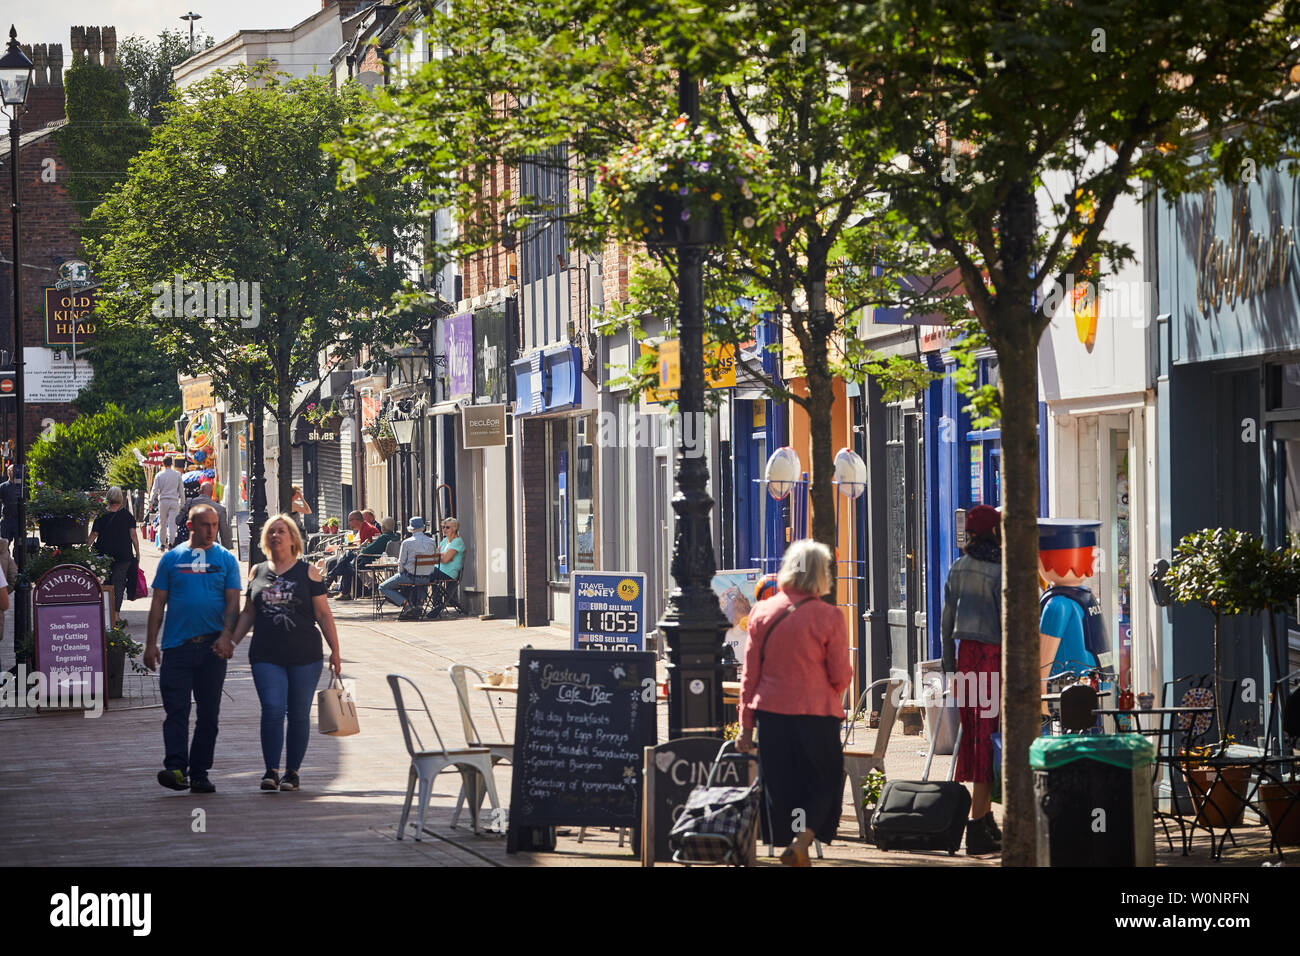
(191, 669)
(286, 691)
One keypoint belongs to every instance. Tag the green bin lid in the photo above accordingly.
(1119, 750)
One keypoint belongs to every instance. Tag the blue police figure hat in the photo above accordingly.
(1060, 534)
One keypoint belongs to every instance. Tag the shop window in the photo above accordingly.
(584, 503)
(1284, 386)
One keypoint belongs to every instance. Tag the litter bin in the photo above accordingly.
(1092, 798)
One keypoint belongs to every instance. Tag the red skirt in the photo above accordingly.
(976, 698)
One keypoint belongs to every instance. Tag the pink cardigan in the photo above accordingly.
(807, 667)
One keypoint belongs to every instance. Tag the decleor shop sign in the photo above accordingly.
(69, 316)
(483, 426)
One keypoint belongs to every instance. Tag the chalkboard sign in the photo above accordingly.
(582, 724)
(672, 771)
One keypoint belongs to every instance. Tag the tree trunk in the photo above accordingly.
(284, 433)
(1021, 685)
(256, 482)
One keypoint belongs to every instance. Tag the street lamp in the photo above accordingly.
(16, 73)
(404, 432)
(693, 625)
(191, 16)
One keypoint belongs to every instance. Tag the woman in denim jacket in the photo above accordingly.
(972, 615)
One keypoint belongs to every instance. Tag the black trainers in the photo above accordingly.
(409, 613)
(173, 779)
(289, 781)
(202, 785)
(271, 781)
(979, 840)
(992, 825)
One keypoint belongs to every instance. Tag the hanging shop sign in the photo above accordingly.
(608, 610)
(483, 426)
(719, 367)
(459, 332)
(73, 274)
(196, 393)
(548, 381)
(69, 316)
(491, 357)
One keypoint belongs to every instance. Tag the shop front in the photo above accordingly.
(556, 427)
(1229, 406)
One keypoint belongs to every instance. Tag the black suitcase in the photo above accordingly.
(919, 815)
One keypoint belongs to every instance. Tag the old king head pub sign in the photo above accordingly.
(69, 316)
(70, 648)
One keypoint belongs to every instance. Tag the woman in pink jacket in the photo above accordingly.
(792, 687)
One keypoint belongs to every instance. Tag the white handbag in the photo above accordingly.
(336, 710)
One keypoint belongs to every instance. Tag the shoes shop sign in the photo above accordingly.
(70, 637)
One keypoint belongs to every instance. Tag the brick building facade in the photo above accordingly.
(49, 218)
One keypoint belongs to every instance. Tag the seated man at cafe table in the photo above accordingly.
(418, 544)
(329, 567)
(368, 555)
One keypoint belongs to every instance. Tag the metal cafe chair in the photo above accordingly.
(473, 763)
(500, 748)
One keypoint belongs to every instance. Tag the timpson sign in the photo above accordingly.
(483, 426)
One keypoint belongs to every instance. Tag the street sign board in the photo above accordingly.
(608, 610)
(672, 770)
(69, 631)
(8, 387)
(583, 723)
(69, 316)
(483, 426)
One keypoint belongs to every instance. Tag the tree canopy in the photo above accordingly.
(232, 243)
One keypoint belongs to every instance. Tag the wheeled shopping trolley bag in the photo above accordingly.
(717, 825)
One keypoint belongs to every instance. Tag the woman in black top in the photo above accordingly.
(286, 601)
(113, 534)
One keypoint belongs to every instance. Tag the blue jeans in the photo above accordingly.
(401, 580)
(191, 669)
(286, 691)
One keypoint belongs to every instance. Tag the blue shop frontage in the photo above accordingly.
(1228, 383)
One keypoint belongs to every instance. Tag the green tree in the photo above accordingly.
(122, 468)
(99, 141)
(235, 188)
(776, 155)
(147, 66)
(984, 104)
(73, 459)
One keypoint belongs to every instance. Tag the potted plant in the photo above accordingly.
(1218, 793)
(120, 646)
(47, 557)
(1221, 570)
(872, 785)
(382, 435)
(682, 183)
(1281, 802)
(62, 515)
(326, 416)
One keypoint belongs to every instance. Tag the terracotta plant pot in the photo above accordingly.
(62, 531)
(1281, 803)
(1220, 799)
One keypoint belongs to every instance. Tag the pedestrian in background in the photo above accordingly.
(298, 508)
(165, 498)
(972, 620)
(197, 588)
(10, 493)
(205, 497)
(114, 535)
(287, 610)
(791, 689)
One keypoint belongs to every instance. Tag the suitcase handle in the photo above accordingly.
(727, 751)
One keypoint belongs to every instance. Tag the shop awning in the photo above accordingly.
(445, 408)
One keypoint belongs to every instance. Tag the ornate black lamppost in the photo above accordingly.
(16, 73)
(694, 624)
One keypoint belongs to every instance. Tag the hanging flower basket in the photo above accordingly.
(385, 448)
(63, 530)
(682, 184)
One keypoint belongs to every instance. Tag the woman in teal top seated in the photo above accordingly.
(451, 557)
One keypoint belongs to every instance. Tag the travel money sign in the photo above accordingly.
(608, 612)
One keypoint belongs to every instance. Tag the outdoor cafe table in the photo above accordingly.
(1161, 712)
(385, 568)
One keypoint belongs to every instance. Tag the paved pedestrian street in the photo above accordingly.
(82, 792)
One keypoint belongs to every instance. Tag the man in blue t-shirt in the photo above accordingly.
(200, 580)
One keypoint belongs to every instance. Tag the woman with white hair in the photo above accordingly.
(791, 688)
(114, 535)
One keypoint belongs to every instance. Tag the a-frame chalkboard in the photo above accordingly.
(583, 721)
